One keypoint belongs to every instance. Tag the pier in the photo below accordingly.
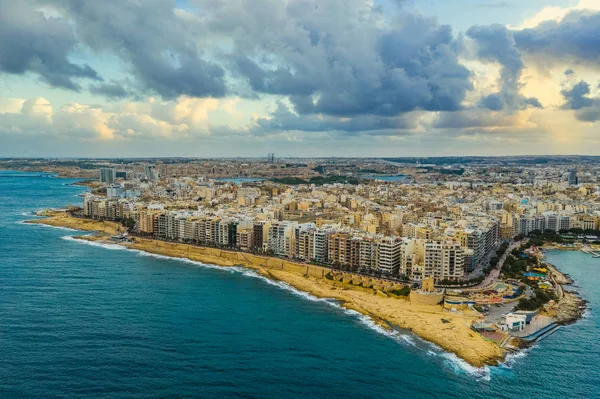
(590, 252)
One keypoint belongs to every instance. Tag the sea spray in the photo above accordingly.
(459, 365)
(512, 358)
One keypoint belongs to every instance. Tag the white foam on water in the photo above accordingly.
(408, 339)
(184, 260)
(48, 226)
(461, 366)
(513, 357)
(285, 286)
(114, 247)
(586, 313)
(27, 213)
(454, 362)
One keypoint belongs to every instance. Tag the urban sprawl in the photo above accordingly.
(403, 229)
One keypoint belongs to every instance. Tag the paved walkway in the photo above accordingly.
(493, 275)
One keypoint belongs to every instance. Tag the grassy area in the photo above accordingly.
(539, 298)
(404, 291)
(538, 238)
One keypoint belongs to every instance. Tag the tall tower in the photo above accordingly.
(573, 179)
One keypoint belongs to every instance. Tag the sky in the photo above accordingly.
(300, 78)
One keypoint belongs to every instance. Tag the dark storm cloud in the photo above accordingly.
(283, 119)
(495, 43)
(158, 45)
(576, 36)
(577, 98)
(342, 65)
(342, 58)
(112, 90)
(32, 43)
(468, 119)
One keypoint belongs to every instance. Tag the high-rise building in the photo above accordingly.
(150, 172)
(113, 191)
(107, 175)
(389, 254)
(573, 179)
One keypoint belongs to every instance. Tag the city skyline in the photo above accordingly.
(355, 78)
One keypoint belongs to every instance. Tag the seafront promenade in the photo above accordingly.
(449, 330)
(373, 296)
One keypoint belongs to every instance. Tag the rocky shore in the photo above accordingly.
(58, 218)
(570, 305)
(450, 331)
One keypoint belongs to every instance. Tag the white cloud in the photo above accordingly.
(11, 105)
(553, 13)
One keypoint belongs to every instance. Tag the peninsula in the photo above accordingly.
(449, 252)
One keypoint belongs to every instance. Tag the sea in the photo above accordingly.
(386, 178)
(80, 320)
(240, 180)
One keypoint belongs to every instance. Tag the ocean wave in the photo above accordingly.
(407, 339)
(287, 287)
(456, 364)
(461, 366)
(27, 213)
(587, 313)
(114, 247)
(513, 357)
(184, 260)
(362, 319)
(47, 226)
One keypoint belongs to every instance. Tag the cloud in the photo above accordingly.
(184, 117)
(341, 58)
(495, 43)
(284, 120)
(574, 37)
(481, 120)
(305, 71)
(32, 43)
(112, 90)
(578, 98)
(156, 43)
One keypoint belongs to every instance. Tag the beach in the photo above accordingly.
(448, 330)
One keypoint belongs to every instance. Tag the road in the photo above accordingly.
(493, 275)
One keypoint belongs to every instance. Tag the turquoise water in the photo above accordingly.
(81, 321)
(240, 180)
(390, 178)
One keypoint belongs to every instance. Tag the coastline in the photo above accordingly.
(451, 331)
(58, 218)
(571, 306)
